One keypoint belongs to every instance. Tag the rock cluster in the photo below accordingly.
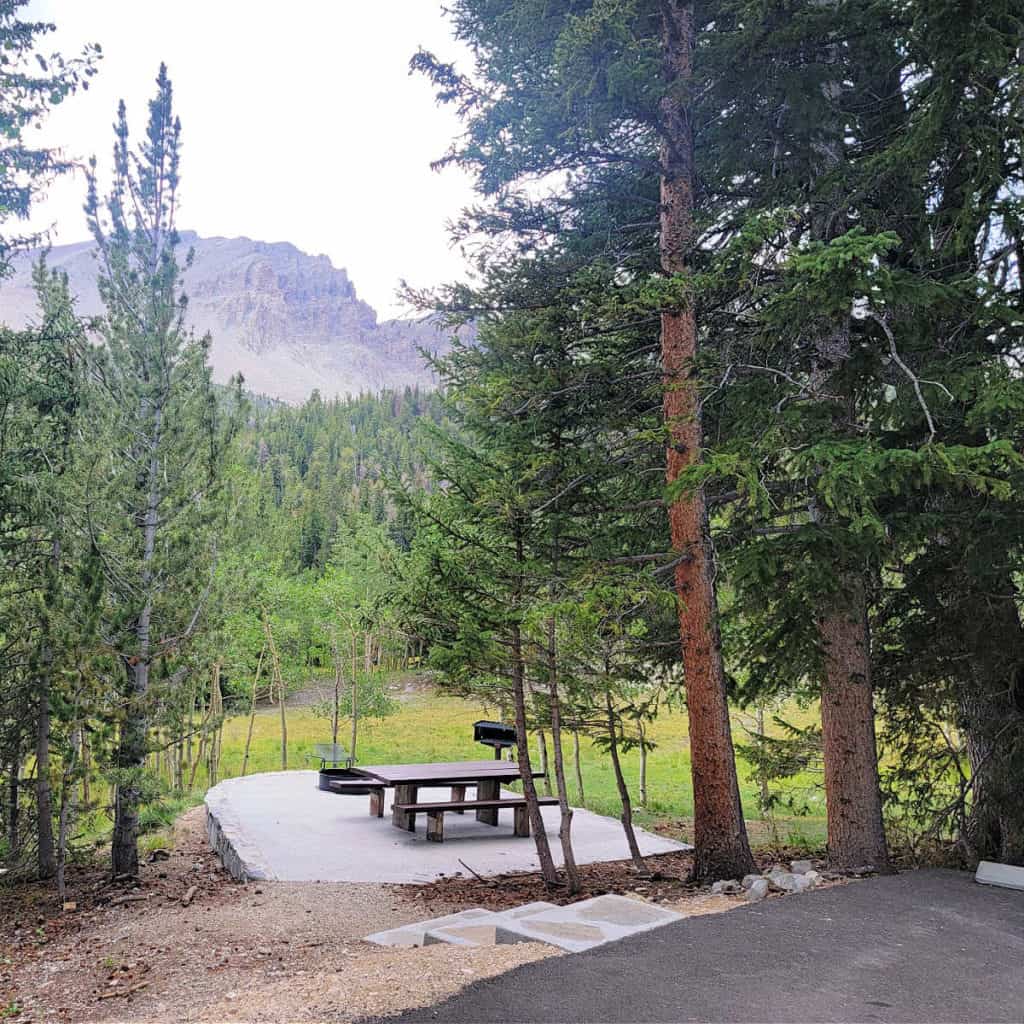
(754, 888)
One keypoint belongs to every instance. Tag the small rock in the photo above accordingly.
(813, 877)
(801, 883)
(801, 867)
(727, 887)
(785, 881)
(749, 880)
(757, 890)
(70, 905)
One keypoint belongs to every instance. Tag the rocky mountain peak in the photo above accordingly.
(288, 321)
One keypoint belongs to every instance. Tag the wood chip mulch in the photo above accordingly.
(669, 872)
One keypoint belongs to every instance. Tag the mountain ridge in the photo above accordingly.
(288, 321)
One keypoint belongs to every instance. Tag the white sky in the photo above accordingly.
(300, 123)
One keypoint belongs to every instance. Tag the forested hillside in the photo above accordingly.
(311, 470)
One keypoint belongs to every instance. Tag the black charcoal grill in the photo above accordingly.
(332, 757)
(494, 734)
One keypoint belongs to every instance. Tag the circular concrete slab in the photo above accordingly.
(279, 825)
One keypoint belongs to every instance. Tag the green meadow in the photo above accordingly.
(431, 727)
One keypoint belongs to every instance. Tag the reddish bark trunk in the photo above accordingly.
(856, 836)
(720, 836)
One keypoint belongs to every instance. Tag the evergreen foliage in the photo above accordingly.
(31, 84)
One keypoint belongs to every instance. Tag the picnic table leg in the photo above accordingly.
(488, 789)
(458, 793)
(522, 821)
(404, 794)
(435, 826)
(377, 803)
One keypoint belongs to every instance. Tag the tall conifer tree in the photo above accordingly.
(159, 442)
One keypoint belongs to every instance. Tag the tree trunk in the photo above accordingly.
(764, 793)
(720, 836)
(131, 754)
(130, 758)
(540, 837)
(275, 663)
(577, 766)
(86, 769)
(991, 715)
(643, 763)
(620, 781)
(189, 728)
(856, 835)
(252, 710)
(46, 860)
(217, 721)
(542, 749)
(335, 709)
(13, 795)
(354, 716)
(572, 873)
(67, 812)
(179, 765)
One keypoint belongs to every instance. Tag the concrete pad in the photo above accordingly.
(280, 826)
(590, 923)
(1005, 875)
(415, 934)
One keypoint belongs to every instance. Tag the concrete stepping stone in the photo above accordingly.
(483, 934)
(573, 928)
(486, 932)
(1006, 875)
(590, 923)
(415, 934)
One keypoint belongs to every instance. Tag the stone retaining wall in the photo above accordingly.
(241, 857)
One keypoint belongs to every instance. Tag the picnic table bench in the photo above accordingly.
(436, 811)
(407, 779)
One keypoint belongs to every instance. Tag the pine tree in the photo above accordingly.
(160, 440)
(720, 836)
(31, 84)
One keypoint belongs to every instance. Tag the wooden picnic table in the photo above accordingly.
(407, 779)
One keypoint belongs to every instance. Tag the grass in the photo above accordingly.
(432, 727)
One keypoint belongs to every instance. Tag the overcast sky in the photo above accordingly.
(300, 123)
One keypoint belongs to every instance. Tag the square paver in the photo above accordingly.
(415, 934)
(591, 922)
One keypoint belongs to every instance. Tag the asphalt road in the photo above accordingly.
(929, 946)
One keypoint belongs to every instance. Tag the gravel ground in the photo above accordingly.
(188, 944)
(263, 952)
(372, 984)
